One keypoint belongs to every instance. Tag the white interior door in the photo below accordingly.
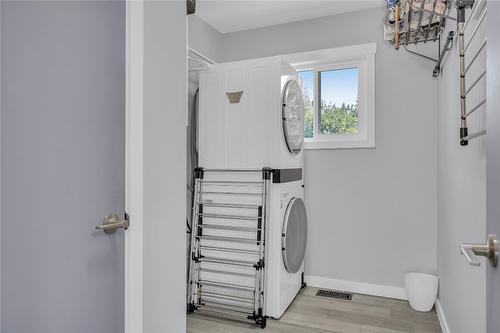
(62, 165)
(493, 163)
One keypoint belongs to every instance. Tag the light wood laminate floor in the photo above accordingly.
(313, 314)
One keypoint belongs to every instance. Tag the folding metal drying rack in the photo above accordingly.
(462, 24)
(227, 271)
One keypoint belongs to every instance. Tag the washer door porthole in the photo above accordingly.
(293, 116)
(294, 235)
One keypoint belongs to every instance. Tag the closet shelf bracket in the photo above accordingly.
(441, 54)
(447, 47)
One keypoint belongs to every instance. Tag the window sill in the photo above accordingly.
(313, 145)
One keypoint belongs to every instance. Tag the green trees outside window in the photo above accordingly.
(333, 119)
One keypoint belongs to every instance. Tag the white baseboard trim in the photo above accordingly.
(356, 287)
(442, 319)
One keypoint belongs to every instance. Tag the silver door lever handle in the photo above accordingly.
(488, 250)
(112, 222)
(466, 250)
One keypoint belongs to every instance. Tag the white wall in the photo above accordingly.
(207, 41)
(372, 212)
(204, 39)
(165, 46)
(461, 202)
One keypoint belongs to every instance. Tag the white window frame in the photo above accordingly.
(361, 57)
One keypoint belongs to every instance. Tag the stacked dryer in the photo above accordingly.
(251, 118)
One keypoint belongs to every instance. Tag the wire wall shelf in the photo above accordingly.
(411, 22)
(415, 21)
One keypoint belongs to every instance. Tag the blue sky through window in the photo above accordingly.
(337, 86)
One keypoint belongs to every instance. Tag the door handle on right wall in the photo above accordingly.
(489, 250)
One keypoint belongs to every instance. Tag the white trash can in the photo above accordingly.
(421, 290)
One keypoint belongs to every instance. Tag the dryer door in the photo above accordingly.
(293, 116)
(294, 235)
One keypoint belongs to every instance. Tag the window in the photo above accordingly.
(338, 86)
(338, 93)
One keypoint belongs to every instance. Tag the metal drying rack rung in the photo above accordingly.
(243, 263)
(229, 217)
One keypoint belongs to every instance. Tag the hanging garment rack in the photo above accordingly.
(227, 270)
(462, 25)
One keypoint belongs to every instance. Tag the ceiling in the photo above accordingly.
(235, 15)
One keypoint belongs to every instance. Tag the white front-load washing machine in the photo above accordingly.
(286, 242)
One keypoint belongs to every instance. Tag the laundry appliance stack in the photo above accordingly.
(249, 219)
